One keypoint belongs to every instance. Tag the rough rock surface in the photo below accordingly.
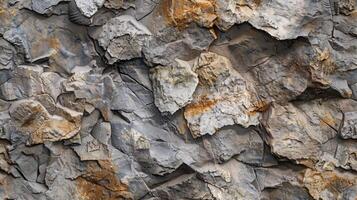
(178, 99)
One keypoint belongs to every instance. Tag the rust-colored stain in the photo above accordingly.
(201, 106)
(317, 182)
(6, 14)
(100, 183)
(258, 106)
(54, 43)
(338, 184)
(321, 66)
(328, 120)
(180, 13)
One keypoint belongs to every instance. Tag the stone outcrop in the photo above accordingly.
(178, 99)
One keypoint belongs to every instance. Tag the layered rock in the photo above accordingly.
(168, 99)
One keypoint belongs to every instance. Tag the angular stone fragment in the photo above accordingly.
(25, 82)
(222, 97)
(118, 4)
(122, 38)
(349, 126)
(230, 12)
(300, 136)
(91, 149)
(182, 13)
(291, 19)
(327, 185)
(168, 43)
(7, 55)
(65, 45)
(99, 180)
(89, 7)
(232, 141)
(43, 6)
(75, 15)
(307, 132)
(32, 118)
(173, 86)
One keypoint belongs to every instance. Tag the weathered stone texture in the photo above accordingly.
(178, 99)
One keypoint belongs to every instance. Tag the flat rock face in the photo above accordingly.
(178, 99)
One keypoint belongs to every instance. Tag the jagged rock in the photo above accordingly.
(306, 131)
(44, 7)
(327, 185)
(292, 19)
(117, 4)
(122, 38)
(222, 97)
(7, 55)
(168, 44)
(25, 82)
(89, 8)
(173, 86)
(55, 38)
(33, 119)
(178, 99)
(182, 13)
(349, 129)
(75, 15)
(243, 144)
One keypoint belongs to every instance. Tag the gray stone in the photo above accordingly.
(173, 86)
(222, 97)
(349, 126)
(122, 38)
(89, 8)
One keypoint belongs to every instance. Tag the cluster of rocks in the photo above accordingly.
(178, 99)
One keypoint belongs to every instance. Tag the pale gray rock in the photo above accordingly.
(25, 82)
(89, 8)
(310, 132)
(7, 55)
(168, 99)
(65, 45)
(222, 97)
(168, 44)
(44, 7)
(349, 129)
(75, 15)
(173, 86)
(123, 38)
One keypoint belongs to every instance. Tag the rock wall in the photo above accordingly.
(178, 99)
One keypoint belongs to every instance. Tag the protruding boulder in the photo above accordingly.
(173, 86)
(222, 97)
(123, 38)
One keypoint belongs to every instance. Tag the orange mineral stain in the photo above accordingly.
(200, 107)
(100, 182)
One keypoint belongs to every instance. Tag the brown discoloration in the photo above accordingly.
(46, 43)
(250, 3)
(258, 106)
(100, 182)
(33, 118)
(334, 182)
(322, 66)
(200, 107)
(328, 120)
(54, 43)
(6, 14)
(181, 13)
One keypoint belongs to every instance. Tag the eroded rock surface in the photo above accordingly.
(178, 99)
